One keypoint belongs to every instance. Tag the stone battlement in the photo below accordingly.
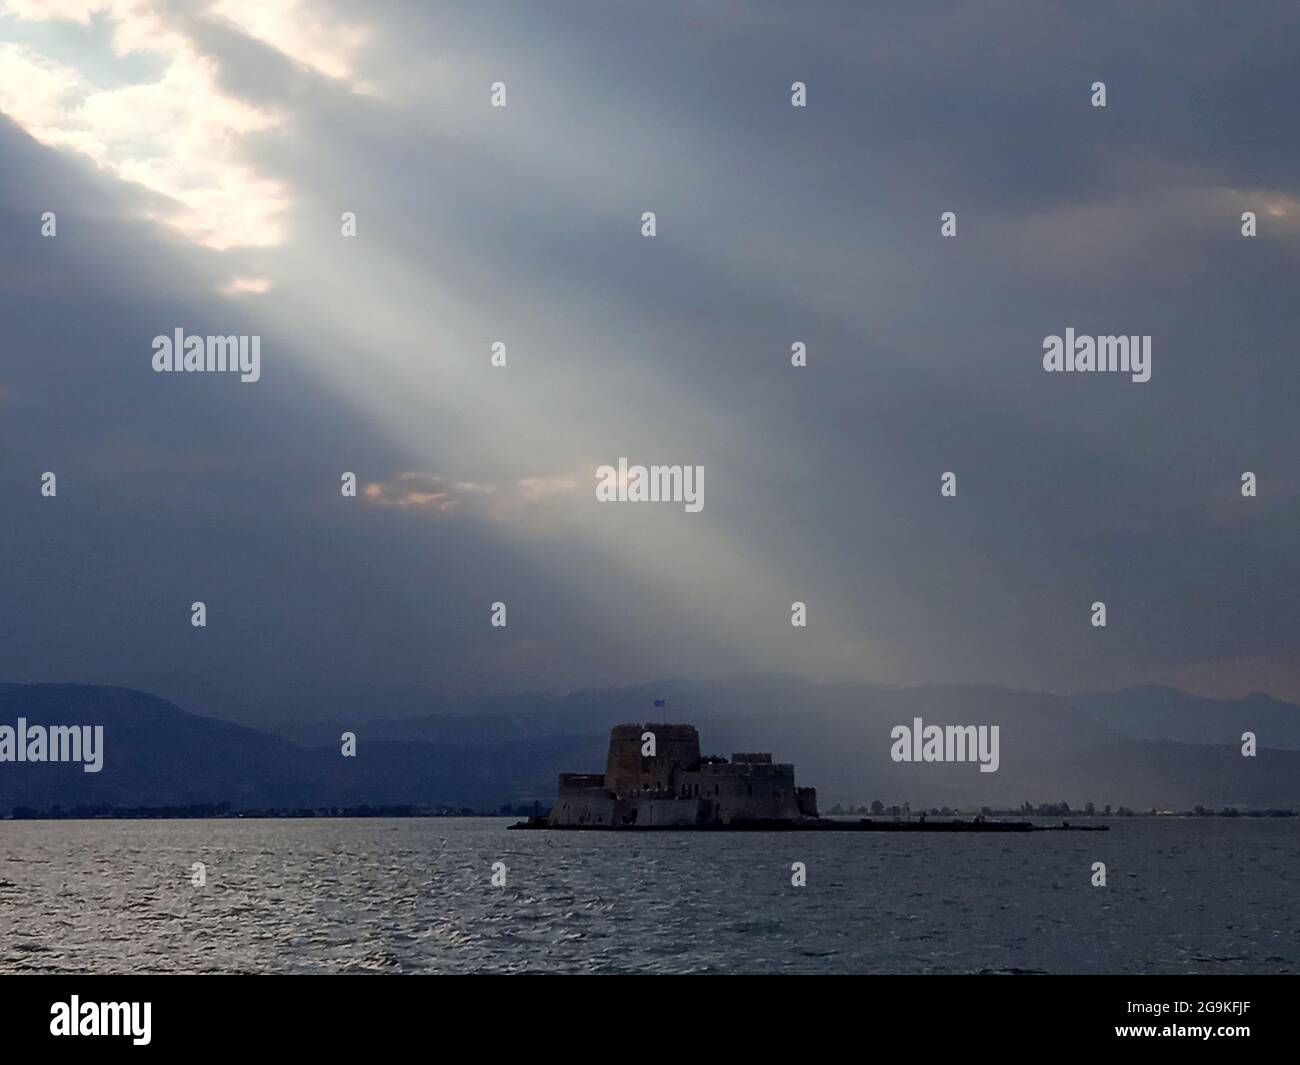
(661, 729)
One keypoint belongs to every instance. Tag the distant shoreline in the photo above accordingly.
(225, 813)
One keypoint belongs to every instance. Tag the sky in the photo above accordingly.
(198, 158)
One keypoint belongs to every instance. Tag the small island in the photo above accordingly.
(655, 779)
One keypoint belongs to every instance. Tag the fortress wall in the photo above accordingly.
(667, 811)
(582, 806)
(677, 748)
(747, 791)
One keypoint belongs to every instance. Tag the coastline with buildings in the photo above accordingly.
(656, 779)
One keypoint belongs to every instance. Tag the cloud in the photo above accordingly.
(521, 225)
(180, 135)
(500, 500)
(177, 137)
(418, 490)
(536, 489)
(239, 286)
(299, 31)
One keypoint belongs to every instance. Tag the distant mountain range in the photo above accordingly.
(1141, 747)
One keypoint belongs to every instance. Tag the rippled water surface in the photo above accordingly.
(415, 896)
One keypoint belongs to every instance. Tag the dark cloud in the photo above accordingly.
(775, 225)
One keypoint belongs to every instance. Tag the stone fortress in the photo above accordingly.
(676, 786)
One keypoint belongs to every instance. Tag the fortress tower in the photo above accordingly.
(628, 773)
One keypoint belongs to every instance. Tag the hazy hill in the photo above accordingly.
(1052, 748)
(154, 753)
(1116, 748)
(1168, 714)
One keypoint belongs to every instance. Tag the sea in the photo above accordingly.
(464, 895)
